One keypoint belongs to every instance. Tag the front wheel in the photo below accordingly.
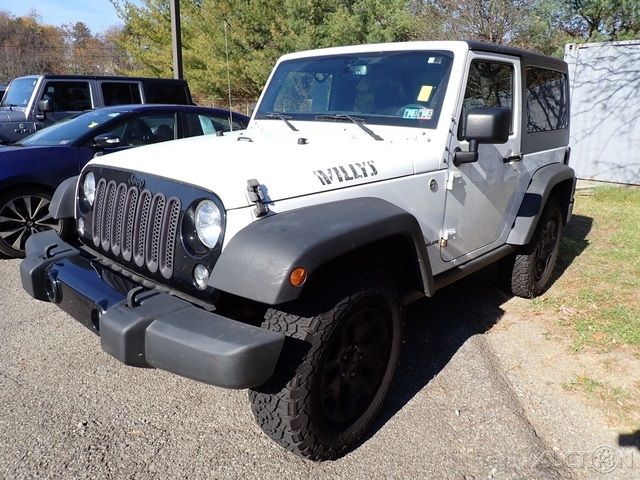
(24, 212)
(533, 265)
(332, 379)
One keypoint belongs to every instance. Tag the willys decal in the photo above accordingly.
(346, 173)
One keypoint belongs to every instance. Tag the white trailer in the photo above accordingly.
(605, 110)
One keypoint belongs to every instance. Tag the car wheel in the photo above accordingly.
(331, 382)
(534, 264)
(24, 212)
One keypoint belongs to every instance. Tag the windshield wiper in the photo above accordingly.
(356, 120)
(284, 118)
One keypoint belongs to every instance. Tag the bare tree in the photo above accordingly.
(495, 21)
(27, 46)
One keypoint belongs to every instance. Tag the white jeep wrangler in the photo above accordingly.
(279, 259)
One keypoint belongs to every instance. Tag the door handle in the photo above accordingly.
(513, 158)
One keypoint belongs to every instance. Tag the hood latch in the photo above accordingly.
(257, 196)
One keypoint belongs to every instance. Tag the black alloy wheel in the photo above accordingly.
(354, 365)
(336, 368)
(544, 249)
(530, 270)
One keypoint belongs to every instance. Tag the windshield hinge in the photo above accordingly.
(257, 196)
(451, 178)
(447, 235)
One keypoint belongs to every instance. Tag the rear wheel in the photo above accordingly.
(24, 212)
(533, 265)
(334, 374)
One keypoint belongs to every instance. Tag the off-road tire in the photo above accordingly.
(14, 215)
(288, 407)
(532, 267)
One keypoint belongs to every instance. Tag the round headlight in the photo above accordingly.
(208, 223)
(89, 188)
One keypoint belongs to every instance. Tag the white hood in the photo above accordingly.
(286, 163)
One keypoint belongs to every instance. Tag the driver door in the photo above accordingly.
(480, 196)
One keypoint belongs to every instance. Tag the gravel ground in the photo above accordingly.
(459, 408)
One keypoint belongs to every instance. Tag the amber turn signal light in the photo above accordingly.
(298, 276)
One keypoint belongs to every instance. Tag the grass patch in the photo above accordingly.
(598, 293)
(618, 403)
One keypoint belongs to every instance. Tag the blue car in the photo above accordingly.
(31, 170)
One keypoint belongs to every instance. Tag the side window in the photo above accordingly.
(490, 84)
(68, 96)
(546, 100)
(120, 93)
(146, 129)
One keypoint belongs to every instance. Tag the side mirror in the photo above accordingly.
(46, 106)
(484, 125)
(106, 140)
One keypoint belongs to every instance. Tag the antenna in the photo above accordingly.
(226, 48)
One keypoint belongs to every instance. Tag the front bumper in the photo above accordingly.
(147, 328)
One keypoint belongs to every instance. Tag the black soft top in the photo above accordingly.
(530, 57)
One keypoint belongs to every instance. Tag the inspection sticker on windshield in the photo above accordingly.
(418, 113)
(425, 93)
(93, 124)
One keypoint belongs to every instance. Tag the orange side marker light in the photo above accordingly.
(298, 276)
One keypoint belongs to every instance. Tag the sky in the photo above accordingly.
(97, 14)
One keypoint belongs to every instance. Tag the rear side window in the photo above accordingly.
(546, 100)
(165, 92)
(120, 93)
(68, 96)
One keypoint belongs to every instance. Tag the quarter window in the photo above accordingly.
(546, 100)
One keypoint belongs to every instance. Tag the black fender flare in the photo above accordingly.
(543, 182)
(258, 260)
(63, 202)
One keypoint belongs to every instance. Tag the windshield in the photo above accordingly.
(71, 129)
(384, 88)
(19, 92)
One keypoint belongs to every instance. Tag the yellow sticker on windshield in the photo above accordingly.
(425, 93)
(93, 124)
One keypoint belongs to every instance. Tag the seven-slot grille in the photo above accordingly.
(136, 225)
